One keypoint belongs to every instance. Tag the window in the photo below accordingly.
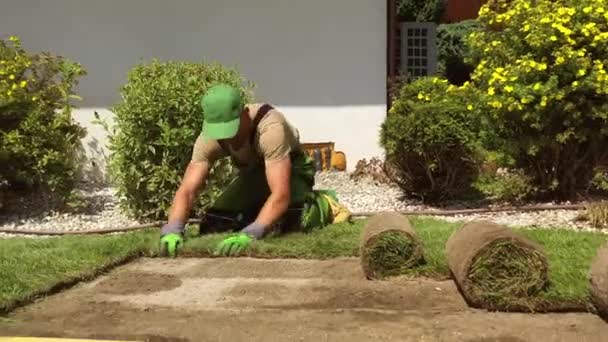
(419, 49)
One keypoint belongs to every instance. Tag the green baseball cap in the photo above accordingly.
(222, 106)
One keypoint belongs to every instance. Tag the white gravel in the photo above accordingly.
(101, 212)
(366, 195)
(362, 196)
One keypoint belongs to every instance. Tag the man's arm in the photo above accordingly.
(278, 174)
(194, 178)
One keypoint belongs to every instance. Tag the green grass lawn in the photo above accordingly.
(29, 267)
(32, 266)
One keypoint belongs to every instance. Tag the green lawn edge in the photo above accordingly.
(32, 268)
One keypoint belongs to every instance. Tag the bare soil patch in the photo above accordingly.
(278, 300)
(123, 283)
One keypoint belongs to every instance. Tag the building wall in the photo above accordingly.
(459, 10)
(322, 62)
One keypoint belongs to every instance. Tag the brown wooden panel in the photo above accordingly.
(459, 10)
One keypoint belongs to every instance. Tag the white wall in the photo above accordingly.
(321, 61)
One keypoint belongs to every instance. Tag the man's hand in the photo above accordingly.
(172, 238)
(233, 245)
(170, 243)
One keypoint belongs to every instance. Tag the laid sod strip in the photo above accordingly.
(29, 267)
(599, 282)
(495, 268)
(33, 267)
(389, 246)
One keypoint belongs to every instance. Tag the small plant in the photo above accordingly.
(39, 140)
(375, 169)
(156, 125)
(506, 186)
(597, 214)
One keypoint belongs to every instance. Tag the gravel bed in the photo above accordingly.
(365, 195)
(101, 212)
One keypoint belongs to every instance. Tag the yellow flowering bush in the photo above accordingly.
(430, 139)
(38, 138)
(540, 79)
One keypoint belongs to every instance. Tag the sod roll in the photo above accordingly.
(494, 268)
(599, 282)
(389, 246)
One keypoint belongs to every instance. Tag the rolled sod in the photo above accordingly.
(496, 269)
(599, 282)
(389, 246)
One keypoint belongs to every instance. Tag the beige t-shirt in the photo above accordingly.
(275, 138)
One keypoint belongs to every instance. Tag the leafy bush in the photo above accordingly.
(430, 140)
(507, 186)
(453, 51)
(38, 137)
(156, 125)
(421, 10)
(540, 79)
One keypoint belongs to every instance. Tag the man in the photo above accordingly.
(276, 177)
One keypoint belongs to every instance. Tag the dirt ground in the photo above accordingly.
(278, 300)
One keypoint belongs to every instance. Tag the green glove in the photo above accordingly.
(170, 243)
(233, 245)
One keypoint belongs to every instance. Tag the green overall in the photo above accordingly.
(242, 200)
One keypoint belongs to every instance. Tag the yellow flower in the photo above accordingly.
(532, 64)
(420, 96)
(588, 9)
(34, 98)
(526, 100)
(581, 53)
(23, 84)
(470, 107)
(537, 86)
(508, 89)
(11, 77)
(560, 60)
(526, 28)
(12, 38)
(542, 67)
(575, 84)
(582, 72)
(553, 38)
(495, 43)
(543, 102)
(428, 98)
(545, 20)
(496, 104)
(600, 10)
(9, 93)
(491, 91)
(14, 86)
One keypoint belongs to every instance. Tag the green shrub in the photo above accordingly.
(39, 140)
(430, 140)
(540, 79)
(453, 50)
(155, 128)
(511, 186)
(421, 10)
